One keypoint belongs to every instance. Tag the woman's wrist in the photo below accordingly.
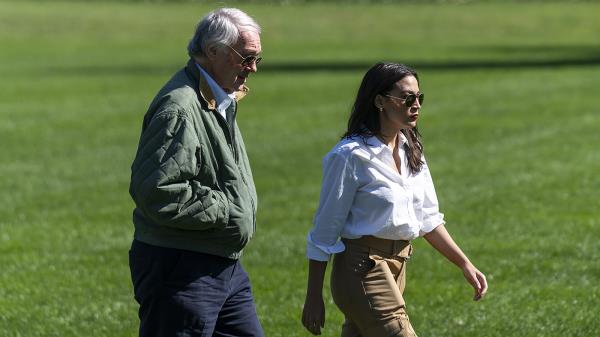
(466, 265)
(314, 292)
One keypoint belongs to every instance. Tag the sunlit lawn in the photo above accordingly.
(510, 128)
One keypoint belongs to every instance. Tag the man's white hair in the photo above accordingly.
(220, 27)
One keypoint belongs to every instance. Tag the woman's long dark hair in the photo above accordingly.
(364, 117)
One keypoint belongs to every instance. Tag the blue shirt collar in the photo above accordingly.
(222, 99)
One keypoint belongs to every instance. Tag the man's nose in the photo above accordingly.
(252, 67)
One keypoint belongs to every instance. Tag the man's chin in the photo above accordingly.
(240, 81)
(238, 86)
(232, 88)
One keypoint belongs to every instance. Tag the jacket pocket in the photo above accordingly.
(206, 170)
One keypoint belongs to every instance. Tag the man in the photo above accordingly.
(194, 193)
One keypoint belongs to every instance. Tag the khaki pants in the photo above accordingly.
(367, 282)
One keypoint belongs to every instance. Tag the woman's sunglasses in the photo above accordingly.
(410, 99)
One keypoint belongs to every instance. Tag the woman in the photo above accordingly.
(377, 196)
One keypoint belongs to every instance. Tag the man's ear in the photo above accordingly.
(212, 51)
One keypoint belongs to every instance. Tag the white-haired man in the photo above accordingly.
(195, 200)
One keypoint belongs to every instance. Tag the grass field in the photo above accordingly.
(511, 131)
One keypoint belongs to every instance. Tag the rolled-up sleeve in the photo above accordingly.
(337, 194)
(432, 217)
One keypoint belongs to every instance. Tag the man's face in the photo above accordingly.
(228, 70)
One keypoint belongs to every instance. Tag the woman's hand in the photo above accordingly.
(476, 279)
(313, 314)
(441, 240)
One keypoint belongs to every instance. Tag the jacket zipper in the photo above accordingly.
(232, 146)
(232, 134)
(229, 133)
(251, 201)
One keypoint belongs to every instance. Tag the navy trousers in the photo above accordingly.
(188, 294)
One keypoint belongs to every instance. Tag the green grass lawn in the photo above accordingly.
(511, 132)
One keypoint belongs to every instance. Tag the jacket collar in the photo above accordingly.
(204, 90)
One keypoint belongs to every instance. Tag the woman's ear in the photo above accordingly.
(378, 102)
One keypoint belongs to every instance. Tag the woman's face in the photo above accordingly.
(394, 114)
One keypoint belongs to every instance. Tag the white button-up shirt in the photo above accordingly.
(363, 194)
(222, 99)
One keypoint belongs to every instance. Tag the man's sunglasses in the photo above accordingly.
(247, 60)
(410, 99)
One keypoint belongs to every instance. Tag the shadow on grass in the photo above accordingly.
(505, 57)
(543, 56)
(325, 66)
(450, 65)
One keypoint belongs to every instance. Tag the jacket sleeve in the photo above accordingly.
(162, 179)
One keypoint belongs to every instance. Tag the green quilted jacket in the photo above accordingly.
(191, 180)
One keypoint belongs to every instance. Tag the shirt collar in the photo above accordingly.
(205, 90)
(377, 146)
(222, 100)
